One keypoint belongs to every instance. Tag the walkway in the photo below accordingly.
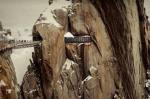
(25, 43)
(19, 44)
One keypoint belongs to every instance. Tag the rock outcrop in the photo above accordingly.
(112, 66)
(8, 82)
(31, 88)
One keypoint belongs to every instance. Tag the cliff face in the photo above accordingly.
(31, 88)
(112, 66)
(8, 82)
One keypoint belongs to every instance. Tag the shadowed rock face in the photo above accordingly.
(113, 65)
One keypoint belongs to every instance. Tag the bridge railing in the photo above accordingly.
(78, 39)
(16, 44)
(19, 44)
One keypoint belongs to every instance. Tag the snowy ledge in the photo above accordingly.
(68, 34)
(48, 16)
(67, 65)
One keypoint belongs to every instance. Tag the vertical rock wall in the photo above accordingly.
(8, 81)
(112, 65)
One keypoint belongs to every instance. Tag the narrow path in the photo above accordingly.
(13, 44)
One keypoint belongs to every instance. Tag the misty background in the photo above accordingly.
(20, 16)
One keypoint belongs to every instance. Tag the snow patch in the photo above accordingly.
(147, 83)
(8, 91)
(68, 34)
(2, 83)
(80, 44)
(49, 17)
(59, 82)
(88, 78)
(75, 55)
(10, 37)
(68, 64)
(31, 91)
(71, 12)
(93, 68)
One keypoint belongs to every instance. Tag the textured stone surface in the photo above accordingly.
(7, 78)
(113, 65)
(31, 88)
(8, 81)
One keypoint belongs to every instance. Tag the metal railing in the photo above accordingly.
(17, 44)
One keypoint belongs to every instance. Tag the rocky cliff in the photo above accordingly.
(8, 82)
(112, 66)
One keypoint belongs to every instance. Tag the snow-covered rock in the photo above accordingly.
(48, 15)
(2, 83)
(68, 64)
(9, 37)
(88, 78)
(8, 91)
(68, 34)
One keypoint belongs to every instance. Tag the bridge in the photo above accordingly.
(25, 43)
(19, 44)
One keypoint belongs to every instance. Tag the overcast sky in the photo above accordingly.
(21, 13)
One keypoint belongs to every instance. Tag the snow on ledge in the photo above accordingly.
(49, 17)
(88, 78)
(33, 90)
(68, 34)
(68, 64)
(10, 37)
(2, 83)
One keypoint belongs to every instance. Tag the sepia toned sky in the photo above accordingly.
(23, 13)
(20, 13)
